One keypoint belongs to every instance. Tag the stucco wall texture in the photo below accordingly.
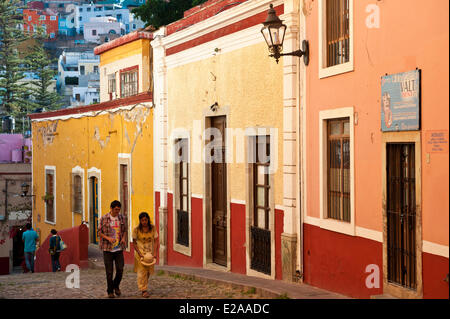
(94, 142)
(249, 84)
(392, 48)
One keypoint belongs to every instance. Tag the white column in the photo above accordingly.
(290, 151)
(160, 137)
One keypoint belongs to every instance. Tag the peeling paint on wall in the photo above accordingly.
(48, 132)
(102, 143)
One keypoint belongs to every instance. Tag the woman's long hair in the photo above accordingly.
(142, 215)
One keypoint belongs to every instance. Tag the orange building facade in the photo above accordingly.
(33, 18)
(375, 189)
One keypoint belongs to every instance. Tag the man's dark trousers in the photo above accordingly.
(110, 258)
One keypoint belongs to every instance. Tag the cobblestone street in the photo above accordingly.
(93, 286)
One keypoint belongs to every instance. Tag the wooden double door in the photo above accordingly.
(218, 182)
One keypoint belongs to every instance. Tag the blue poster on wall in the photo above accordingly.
(400, 102)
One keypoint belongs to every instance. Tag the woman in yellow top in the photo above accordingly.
(144, 242)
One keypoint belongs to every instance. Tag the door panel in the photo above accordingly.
(219, 197)
(401, 215)
(94, 210)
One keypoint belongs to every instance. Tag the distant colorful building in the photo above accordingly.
(45, 19)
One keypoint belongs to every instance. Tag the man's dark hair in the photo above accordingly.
(53, 231)
(115, 203)
(28, 226)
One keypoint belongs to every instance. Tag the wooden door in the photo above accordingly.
(401, 215)
(94, 210)
(219, 196)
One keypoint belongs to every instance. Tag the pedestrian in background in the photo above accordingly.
(113, 235)
(30, 238)
(55, 250)
(144, 243)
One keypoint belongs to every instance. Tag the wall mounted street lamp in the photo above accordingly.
(273, 32)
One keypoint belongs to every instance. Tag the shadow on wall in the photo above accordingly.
(77, 241)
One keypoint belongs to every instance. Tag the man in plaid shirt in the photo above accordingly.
(113, 234)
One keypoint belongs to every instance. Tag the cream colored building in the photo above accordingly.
(213, 71)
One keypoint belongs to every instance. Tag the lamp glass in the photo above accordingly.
(277, 34)
(265, 33)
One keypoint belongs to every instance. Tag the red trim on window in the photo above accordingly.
(131, 68)
(232, 28)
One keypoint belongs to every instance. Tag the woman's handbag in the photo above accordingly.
(62, 245)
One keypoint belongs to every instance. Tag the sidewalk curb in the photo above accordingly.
(250, 289)
(262, 292)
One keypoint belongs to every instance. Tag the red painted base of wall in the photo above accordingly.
(237, 233)
(175, 258)
(77, 240)
(4, 266)
(435, 270)
(338, 262)
(238, 250)
(279, 228)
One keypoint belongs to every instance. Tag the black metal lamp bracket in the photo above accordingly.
(301, 53)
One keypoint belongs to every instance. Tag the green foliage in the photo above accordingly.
(158, 13)
(20, 96)
(39, 62)
(12, 92)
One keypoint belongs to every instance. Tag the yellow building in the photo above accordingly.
(86, 157)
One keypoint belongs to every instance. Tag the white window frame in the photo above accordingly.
(250, 135)
(324, 222)
(77, 170)
(53, 169)
(52, 18)
(125, 159)
(340, 68)
(185, 250)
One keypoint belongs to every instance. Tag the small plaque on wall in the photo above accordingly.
(400, 102)
(436, 141)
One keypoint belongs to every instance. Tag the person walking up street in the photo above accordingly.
(113, 235)
(55, 250)
(30, 238)
(144, 242)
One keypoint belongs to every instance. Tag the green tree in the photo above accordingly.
(39, 64)
(12, 91)
(158, 13)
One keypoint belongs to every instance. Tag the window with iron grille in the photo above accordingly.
(338, 169)
(183, 192)
(128, 83)
(260, 229)
(50, 196)
(337, 32)
(77, 194)
(261, 182)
